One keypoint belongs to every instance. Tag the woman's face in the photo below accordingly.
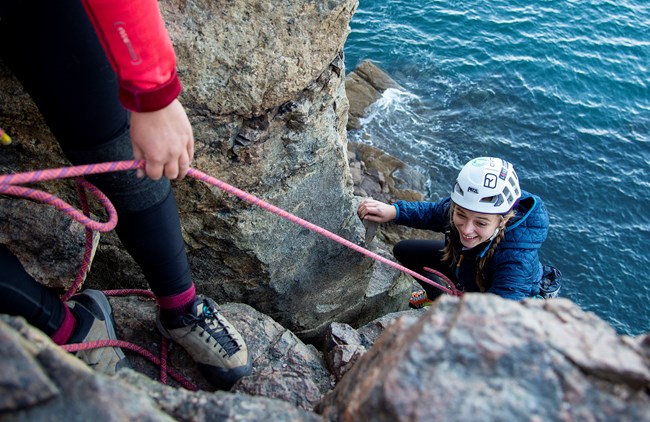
(474, 228)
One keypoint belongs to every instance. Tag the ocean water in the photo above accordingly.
(561, 88)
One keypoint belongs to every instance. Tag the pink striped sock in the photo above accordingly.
(177, 305)
(65, 331)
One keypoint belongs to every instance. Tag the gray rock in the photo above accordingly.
(370, 332)
(24, 384)
(50, 384)
(342, 358)
(364, 85)
(247, 57)
(341, 334)
(342, 348)
(185, 405)
(49, 244)
(57, 386)
(283, 366)
(483, 358)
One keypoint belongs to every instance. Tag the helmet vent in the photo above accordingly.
(514, 183)
(458, 189)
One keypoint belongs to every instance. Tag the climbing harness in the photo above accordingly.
(10, 184)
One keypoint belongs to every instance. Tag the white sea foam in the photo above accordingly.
(392, 100)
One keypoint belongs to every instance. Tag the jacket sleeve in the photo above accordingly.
(424, 215)
(514, 277)
(138, 46)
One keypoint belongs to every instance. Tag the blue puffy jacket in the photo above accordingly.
(514, 271)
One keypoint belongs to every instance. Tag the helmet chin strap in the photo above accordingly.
(496, 232)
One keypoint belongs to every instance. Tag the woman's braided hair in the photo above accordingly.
(450, 254)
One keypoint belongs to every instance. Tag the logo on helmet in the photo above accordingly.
(473, 190)
(504, 173)
(479, 162)
(490, 180)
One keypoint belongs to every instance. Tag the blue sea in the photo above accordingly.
(560, 88)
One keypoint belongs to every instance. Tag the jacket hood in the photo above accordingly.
(529, 226)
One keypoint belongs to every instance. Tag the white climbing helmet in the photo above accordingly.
(487, 185)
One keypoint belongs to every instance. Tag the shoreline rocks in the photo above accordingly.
(364, 85)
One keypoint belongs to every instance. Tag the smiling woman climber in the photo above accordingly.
(493, 232)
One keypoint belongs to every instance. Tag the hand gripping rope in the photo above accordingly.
(9, 185)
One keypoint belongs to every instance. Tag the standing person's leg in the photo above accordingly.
(72, 82)
(417, 254)
(21, 295)
(86, 316)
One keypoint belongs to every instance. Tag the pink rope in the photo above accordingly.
(317, 229)
(8, 182)
(9, 186)
(130, 346)
(66, 208)
(67, 172)
(162, 361)
(88, 250)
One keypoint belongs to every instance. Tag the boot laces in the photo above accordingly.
(208, 322)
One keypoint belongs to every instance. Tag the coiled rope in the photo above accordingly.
(10, 185)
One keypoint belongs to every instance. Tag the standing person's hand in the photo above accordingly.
(164, 139)
(377, 211)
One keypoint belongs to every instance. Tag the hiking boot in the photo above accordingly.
(214, 344)
(419, 300)
(94, 317)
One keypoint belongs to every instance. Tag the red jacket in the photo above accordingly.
(139, 48)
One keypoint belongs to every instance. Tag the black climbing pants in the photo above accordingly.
(52, 49)
(417, 254)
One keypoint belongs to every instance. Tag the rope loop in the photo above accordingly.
(10, 185)
(71, 348)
